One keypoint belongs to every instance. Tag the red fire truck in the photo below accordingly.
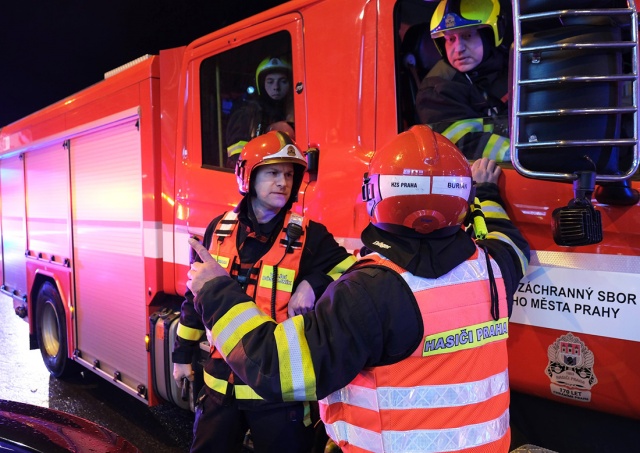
(101, 190)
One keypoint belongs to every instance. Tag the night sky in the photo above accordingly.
(53, 48)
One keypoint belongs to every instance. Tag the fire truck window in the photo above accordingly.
(233, 109)
(424, 82)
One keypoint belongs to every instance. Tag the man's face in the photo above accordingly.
(272, 185)
(276, 85)
(464, 48)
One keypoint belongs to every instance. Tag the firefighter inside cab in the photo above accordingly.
(260, 242)
(464, 96)
(382, 349)
(271, 109)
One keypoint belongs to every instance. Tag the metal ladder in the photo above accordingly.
(574, 89)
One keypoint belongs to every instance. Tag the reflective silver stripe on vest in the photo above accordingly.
(421, 440)
(435, 440)
(467, 272)
(355, 435)
(436, 396)
(422, 397)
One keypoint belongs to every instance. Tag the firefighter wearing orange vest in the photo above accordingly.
(260, 242)
(406, 350)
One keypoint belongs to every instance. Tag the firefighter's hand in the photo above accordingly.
(181, 371)
(485, 170)
(201, 273)
(302, 300)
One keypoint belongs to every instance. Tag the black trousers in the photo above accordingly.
(220, 426)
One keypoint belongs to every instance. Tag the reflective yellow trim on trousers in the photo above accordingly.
(524, 263)
(235, 324)
(242, 392)
(189, 333)
(493, 210)
(341, 267)
(297, 376)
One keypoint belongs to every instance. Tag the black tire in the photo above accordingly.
(51, 329)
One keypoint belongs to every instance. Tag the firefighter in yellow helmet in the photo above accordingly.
(270, 108)
(465, 95)
(259, 242)
(407, 349)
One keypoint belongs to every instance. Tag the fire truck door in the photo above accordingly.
(14, 273)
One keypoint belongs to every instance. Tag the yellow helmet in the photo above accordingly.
(270, 65)
(459, 14)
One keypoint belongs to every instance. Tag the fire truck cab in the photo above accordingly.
(101, 190)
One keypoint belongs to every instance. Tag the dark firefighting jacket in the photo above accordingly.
(369, 317)
(321, 261)
(470, 109)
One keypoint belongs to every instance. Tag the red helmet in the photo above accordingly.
(274, 147)
(420, 181)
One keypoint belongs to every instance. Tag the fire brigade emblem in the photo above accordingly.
(291, 151)
(450, 21)
(570, 368)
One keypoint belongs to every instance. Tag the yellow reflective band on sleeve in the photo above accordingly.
(189, 333)
(236, 148)
(493, 210)
(497, 148)
(461, 128)
(297, 376)
(524, 263)
(244, 392)
(345, 264)
(467, 337)
(235, 324)
(285, 278)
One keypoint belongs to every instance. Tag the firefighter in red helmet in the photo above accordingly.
(407, 349)
(259, 242)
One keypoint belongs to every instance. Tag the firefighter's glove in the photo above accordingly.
(181, 371)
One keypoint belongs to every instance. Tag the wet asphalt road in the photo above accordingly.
(167, 429)
(24, 378)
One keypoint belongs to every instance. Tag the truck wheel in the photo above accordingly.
(51, 331)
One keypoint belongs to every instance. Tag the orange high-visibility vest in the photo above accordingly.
(259, 281)
(452, 393)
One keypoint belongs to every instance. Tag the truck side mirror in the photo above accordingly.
(313, 160)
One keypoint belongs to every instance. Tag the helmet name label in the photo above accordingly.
(396, 185)
(457, 186)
